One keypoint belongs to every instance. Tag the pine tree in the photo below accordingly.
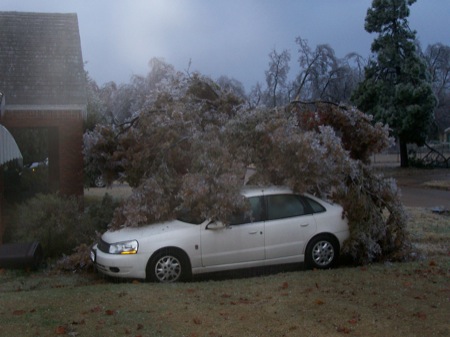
(396, 89)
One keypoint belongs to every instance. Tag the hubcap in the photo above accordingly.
(323, 253)
(168, 269)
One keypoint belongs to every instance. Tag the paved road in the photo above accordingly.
(422, 188)
(413, 196)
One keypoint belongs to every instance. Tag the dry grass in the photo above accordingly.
(416, 176)
(430, 231)
(392, 299)
(439, 184)
(382, 300)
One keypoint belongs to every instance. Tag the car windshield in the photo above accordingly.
(250, 211)
(188, 216)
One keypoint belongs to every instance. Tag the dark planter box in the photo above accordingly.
(21, 255)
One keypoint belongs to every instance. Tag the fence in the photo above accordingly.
(434, 154)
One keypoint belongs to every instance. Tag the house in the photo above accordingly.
(42, 80)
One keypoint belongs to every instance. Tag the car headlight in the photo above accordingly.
(124, 248)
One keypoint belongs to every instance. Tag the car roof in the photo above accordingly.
(253, 191)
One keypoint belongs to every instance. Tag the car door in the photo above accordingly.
(241, 241)
(289, 224)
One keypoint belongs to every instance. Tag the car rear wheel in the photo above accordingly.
(322, 252)
(168, 266)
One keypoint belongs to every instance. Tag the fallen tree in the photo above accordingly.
(190, 150)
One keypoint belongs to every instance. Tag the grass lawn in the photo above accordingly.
(390, 299)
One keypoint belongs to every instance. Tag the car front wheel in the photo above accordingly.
(168, 266)
(322, 252)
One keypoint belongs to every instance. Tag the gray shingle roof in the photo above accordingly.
(41, 63)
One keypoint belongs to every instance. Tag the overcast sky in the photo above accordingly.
(221, 37)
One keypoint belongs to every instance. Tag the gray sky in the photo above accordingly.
(221, 37)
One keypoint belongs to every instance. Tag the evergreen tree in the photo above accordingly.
(396, 89)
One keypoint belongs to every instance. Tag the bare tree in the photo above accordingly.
(255, 96)
(437, 57)
(232, 85)
(354, 64)
(276, 76)
(307, 60)
(324, 76)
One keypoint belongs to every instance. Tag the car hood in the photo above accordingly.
(135, 233)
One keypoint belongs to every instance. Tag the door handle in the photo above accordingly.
(253, 232)
(304, 225)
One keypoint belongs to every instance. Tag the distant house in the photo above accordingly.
(43, 82)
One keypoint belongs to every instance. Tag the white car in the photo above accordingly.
(284, 228)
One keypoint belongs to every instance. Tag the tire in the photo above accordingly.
(322, 252)
(169, 266)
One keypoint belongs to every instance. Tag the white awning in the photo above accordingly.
(8, 147)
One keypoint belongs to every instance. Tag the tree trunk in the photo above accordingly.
(403, 154)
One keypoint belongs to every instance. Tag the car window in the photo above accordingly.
(285, 206)
(255, 214)
(315, 206)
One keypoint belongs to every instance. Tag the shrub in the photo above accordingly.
(34, 182)
(59, 223)
(98, 214)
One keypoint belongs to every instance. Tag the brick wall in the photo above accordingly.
(65, 145)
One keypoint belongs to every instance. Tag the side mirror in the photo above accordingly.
(216, 225)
